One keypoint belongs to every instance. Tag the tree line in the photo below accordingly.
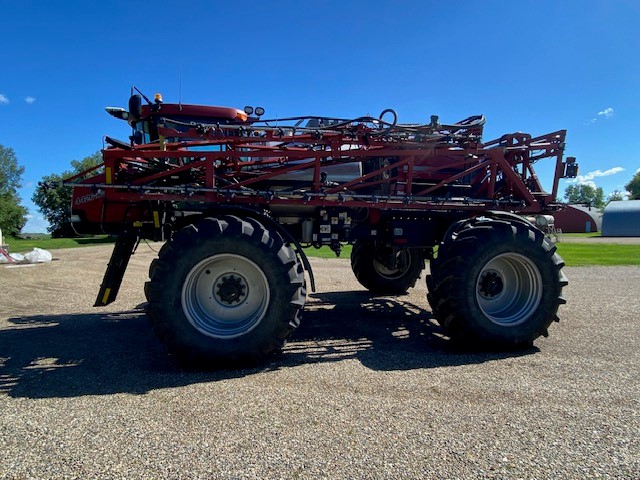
(583, 193)
(54, 201)
(13, 216)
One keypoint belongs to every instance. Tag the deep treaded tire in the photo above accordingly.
(225, 292)
(434, 266)
(373, 275)
(496, 284)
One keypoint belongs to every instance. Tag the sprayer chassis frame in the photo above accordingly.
(500, 172)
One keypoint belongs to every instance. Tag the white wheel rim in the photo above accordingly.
(225, 296)
(509, 289)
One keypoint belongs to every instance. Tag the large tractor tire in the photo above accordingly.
(368, 262)
(225, 292)
(434, 266)
(496, 284)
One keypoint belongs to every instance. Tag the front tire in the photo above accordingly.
(225, 292)
(496, 284)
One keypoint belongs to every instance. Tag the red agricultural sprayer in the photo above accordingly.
(238, 199)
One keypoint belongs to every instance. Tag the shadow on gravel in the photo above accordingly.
(383, 333)
(99, 354)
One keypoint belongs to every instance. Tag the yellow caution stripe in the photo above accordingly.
(105, 297)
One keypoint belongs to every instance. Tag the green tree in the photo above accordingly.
(54, 200)
(615, 196)
(633, 187)
(584, 193)
(12, 214)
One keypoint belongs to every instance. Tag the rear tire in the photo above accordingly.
(369, 267)
(225, 293)
(496, 284)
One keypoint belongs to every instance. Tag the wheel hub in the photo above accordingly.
(225, 295)
(230, 289)
(491, 284)
(392, 266)
(509, 289)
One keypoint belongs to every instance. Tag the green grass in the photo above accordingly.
(326, 252)
(22, 245)
(574, 254)
(582, 254)
(581, 235)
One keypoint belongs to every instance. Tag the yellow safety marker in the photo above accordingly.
(107, 291)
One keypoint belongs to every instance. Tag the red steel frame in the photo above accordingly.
(497, 175)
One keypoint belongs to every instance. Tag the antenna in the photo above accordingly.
(143, 95)
(180, 88)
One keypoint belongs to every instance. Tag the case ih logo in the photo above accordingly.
(89, 197)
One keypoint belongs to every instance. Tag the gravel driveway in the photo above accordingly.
(367, 388)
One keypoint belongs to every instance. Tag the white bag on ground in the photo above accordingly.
(18, 257)
(37, 255)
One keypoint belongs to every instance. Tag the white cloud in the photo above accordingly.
(588, 178)
(29, 100)
(607, 112)
(591, 183)
(3, 99)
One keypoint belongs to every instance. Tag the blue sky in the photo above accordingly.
(534, 66)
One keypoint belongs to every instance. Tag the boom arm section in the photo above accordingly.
(358, 163)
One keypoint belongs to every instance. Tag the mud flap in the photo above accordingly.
(115, 270)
